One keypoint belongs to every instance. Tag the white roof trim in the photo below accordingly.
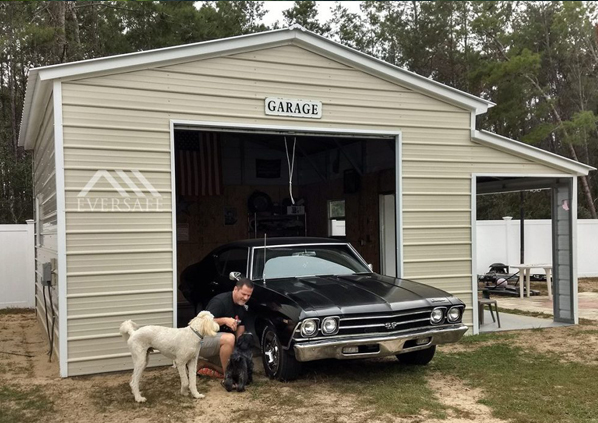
(39, 77)
(530, 152)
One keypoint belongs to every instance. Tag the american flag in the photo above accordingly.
(198, 165)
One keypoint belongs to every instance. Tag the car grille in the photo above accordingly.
(384, 323)
(380, 323)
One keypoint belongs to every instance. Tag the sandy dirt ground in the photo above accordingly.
(24, 366)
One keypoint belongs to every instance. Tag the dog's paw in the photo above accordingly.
(198, 396)
(184, 392)
(141, 399)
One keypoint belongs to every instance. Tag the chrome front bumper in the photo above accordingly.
(387, 345)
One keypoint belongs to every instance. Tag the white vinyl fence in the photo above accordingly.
(17, 266)
(498, 241)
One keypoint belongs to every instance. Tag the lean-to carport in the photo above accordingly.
(563, 211)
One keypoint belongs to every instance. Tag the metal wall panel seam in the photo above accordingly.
(77, 211)
(407, 176)
(107, 148)
(119, 272)
(116, 231)
(89, 337)
(118, 313)
(61, 233)
(49, 197)
(128, 169)
(438, 227)
(99, 357)
(241, 60)
(86, 253)
(427, 159)
(309, 83)
(438, 193)
(436, 210)
(423, 244)
(120, 128)
(463, 275)
(166, 191)
(114, 293)
(437, 260)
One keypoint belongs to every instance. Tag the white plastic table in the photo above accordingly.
(527, 270)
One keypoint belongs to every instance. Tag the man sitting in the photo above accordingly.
(229, 312)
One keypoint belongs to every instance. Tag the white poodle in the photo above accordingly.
(180, 345)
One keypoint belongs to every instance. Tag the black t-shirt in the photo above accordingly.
(222, 305)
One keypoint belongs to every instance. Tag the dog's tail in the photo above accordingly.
(127, 328)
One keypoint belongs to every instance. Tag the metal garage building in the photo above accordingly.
(104, 137)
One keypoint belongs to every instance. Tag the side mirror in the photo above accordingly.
(371, 267)
(234, 276)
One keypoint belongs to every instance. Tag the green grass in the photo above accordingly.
(23, 405)
(526, 386)
(384, 385)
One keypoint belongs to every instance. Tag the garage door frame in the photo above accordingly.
(287, 129)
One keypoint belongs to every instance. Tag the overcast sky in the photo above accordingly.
(275, 9)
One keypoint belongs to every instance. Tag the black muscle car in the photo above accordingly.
(316, 298)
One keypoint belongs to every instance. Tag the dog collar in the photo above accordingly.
(197, 333)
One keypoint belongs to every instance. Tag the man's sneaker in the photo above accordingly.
(206, 371)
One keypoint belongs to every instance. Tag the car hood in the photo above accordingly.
(330, 295)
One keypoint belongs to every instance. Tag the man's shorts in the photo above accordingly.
(210, 349)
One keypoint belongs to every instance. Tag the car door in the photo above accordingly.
(233, 259)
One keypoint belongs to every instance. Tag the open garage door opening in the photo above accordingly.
(232, 186)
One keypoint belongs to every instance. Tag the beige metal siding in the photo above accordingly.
(121, 122)
(46, 249)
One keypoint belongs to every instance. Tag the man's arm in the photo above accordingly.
(240, 331)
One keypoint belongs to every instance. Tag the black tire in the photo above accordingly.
(278, 363)
(418, 358)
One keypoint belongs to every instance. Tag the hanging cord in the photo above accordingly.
(291, 164)
(50, 330)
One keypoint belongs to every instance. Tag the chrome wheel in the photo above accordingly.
(271, 352)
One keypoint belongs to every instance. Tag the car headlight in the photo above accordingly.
(437, 316)
(454, 314)
(309, 327)
(330, 325)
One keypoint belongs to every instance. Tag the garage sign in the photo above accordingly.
(294, 108)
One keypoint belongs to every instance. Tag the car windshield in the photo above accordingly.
(306, 260)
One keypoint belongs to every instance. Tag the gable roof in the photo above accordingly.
(39, 83)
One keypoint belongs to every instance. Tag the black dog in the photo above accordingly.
(239, 371)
